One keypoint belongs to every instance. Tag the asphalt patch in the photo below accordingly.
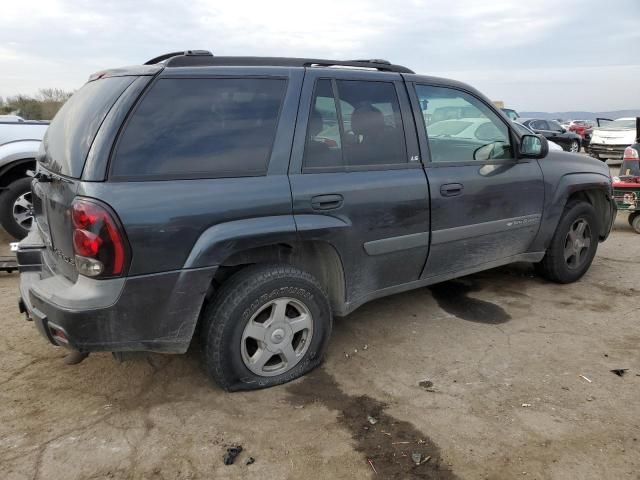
(386, 445)
(453, 298)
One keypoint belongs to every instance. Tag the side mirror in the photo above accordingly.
(534, 146)
(564, 130)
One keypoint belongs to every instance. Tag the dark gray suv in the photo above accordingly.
(252, 199)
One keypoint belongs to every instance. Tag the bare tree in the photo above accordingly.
(42, 106)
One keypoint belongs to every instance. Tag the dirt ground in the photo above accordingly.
(499, 375)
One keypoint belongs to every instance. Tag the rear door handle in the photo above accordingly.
(326, 202)
(451, 189)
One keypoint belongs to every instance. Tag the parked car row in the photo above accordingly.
(603, 138)
(553, 131)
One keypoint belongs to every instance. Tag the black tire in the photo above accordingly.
(636, 223)
(15, 190)
(632, 216)
(239, 298)
(554, 266)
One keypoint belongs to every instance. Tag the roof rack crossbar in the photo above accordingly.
(186, 53)
(183, 60)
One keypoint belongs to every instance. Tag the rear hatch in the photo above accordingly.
(61, 160)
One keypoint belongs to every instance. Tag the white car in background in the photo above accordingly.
(611, 137)
(480, 128)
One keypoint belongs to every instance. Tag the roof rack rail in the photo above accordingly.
(381, 61)
(187, 53)
(181, 59)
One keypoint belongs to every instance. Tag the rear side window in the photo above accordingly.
(201, 128)
(362, 129)
(73, 129)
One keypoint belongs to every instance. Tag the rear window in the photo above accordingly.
(201, 128)
(73, 129)
(622, 124)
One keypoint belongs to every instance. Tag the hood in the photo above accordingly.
(577, 163)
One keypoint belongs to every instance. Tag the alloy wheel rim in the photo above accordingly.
(23, 211)
(574, 146)
(277, 337)
(577, 243)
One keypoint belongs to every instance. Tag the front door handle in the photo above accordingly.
(326, 202)
(451, 189)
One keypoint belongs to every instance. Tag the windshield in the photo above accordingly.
(73, 129)
(620, 124)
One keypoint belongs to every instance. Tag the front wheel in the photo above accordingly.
(573, 245)
(16, 210)
(268, 325)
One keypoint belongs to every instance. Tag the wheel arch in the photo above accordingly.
(319, 258)
(593, 188)
(15, 170)
(600, 200)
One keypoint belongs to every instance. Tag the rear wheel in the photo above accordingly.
(573, 245)
(268, 325)
(632, 216)
(16, 209)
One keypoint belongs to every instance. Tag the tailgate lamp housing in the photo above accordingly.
(99, 243)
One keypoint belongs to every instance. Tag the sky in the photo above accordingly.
(541, 55)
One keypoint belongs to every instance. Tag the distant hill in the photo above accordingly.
(581, 115)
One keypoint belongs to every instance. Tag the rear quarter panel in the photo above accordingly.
(175, 224)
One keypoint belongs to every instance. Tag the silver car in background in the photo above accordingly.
(19, 144)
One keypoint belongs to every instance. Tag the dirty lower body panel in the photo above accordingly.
(156, 312)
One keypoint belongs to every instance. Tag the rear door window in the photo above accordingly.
(71, 132)
(363, 129)
(201, 128)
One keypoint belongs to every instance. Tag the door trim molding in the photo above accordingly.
(447, 235)
(396, 244)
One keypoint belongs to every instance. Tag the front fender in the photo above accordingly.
(221, 241)
(568, 185)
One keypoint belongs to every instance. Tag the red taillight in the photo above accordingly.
(98, 241)
(86, 243)
(630, 153)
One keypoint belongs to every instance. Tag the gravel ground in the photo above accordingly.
(484, 377)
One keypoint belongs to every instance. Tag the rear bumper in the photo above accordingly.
(156, 312)
(606, 151)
